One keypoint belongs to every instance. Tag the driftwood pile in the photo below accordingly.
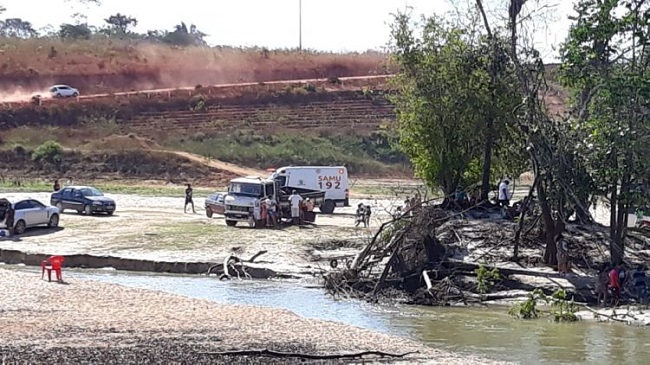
(434, 256)
(396, 258)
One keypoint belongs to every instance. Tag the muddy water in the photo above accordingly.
(490, 332)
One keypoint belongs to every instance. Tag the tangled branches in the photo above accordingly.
(396, 256)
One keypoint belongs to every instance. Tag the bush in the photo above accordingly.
(49, 151)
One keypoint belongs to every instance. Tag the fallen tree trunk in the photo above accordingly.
(272, 353)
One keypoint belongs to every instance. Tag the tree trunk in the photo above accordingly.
(487, 160)
(527, 202)
(550, 253)
(615, 230)
(522, 216)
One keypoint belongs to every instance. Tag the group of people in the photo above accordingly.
(614, 283)
(410, 205)
(265, 211)
(363, 215)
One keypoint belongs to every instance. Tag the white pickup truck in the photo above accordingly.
(243, 192)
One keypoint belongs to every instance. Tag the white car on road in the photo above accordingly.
(32, 213)
(63, 91)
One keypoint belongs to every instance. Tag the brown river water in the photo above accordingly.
(486, 332)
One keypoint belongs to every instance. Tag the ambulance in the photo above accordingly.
(332, 180)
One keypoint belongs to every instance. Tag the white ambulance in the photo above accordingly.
(332, 180)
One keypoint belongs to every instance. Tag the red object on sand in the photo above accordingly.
(53, 263)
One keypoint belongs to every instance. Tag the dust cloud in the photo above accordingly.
(22, 95)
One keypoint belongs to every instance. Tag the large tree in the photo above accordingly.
(448, 104)
(561, 182)
(17, 28)
(605, 64)
(120, 24)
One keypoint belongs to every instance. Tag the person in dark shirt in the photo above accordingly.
(640, 284)
(9, 219)
(188, 199)
(56, 186)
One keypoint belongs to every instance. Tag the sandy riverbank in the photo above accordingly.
(98, 322)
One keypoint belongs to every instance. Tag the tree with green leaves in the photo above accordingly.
(120, 24)
(17, 28)
(605, 63)
(185, 36)
(561, 181)
(446, 99)
(75, 31)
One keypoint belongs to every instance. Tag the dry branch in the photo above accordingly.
(272, 353)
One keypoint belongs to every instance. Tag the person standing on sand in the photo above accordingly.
(188, 199)
(295, 200)
(640, 284)
(257, 213)
(562, 255)
(601, 285)
(9, 219)
(614, 286)
(271, 212)
(56, 186)
(504, 194)
(264, 213)
(367, 212)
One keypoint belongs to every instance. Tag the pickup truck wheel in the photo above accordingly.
(328, 207)
(54, 221)
(88, 210)
(59, 206)
(231, 223)
(208, 212)
(20, 227)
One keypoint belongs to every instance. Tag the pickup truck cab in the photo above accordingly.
(83, 199)
(245, 191)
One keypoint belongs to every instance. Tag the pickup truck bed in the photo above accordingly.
(318, 197)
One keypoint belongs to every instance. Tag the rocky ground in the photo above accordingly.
(92, 322)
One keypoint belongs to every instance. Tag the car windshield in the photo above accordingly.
(90, 192)
(245, 189)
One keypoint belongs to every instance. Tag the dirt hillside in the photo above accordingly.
(101, 66)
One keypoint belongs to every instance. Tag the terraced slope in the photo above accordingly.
(355, 115)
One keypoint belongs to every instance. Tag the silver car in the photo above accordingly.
(31, 213)
(63, 91)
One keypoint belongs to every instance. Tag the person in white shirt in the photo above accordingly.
(504, 194)
(270, 211)
(295, 201)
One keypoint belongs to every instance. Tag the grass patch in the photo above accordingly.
(361, 154)
(39, 186)
(181, 235)
(31, 137)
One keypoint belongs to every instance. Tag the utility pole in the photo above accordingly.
(300, 25)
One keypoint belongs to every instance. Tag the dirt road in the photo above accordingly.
(155, 228)
(24, 97)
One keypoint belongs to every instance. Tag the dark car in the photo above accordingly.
(215, 204)
(83, 199)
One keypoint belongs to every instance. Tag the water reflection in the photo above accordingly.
(485, 332)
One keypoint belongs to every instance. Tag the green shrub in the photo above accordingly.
(49, 151)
